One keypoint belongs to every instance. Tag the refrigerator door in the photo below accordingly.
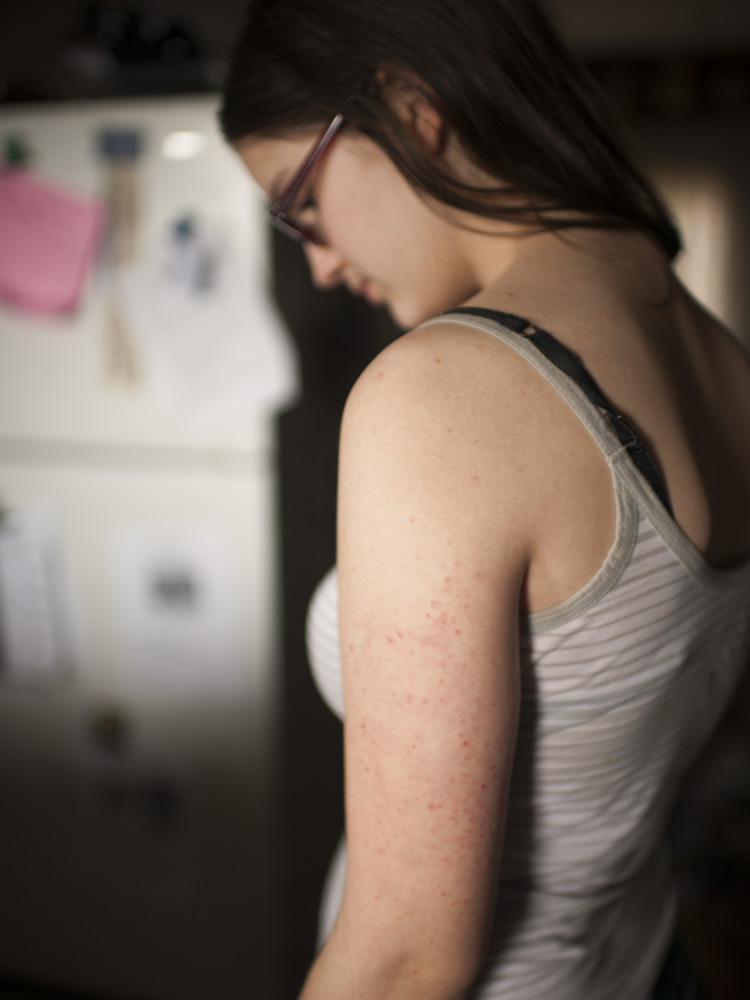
(138, 617)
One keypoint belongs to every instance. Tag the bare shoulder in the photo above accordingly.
(470, 405)
(452, 429)
(453, 402)
(450, 434)
(442, 371)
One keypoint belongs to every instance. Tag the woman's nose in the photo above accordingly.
(326, 264)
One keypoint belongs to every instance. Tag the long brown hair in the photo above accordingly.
(520, 103)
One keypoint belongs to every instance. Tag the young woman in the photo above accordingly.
(540, 608)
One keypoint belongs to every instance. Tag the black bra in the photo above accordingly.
(571, 366)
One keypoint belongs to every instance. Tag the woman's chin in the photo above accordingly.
(408, 315)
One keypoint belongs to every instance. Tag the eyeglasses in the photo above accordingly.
(282, 210)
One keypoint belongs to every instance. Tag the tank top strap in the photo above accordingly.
(566, 362)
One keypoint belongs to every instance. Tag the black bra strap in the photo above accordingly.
(570, 365)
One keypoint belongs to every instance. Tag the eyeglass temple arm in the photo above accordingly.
(280, 207)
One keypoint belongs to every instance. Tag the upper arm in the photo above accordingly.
(431, 560)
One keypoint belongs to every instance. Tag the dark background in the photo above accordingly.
(679, 72)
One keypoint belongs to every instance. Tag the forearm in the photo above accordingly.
(349, 973)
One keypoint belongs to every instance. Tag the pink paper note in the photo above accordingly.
(48, 237)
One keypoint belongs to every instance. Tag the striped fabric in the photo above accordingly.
(622, 686)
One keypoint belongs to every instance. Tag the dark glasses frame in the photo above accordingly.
(280, 211)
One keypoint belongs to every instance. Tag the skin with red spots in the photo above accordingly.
(430, 714)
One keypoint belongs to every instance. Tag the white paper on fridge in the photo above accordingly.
(176, 605)
(207, 333)
(36, 623)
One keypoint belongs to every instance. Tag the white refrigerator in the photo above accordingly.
(139, 615)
